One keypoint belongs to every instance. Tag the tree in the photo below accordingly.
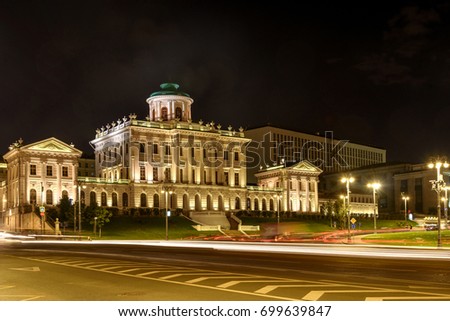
(340, 211)
(65, 209)
(99, 216)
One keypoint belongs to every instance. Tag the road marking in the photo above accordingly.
(232, 283)
(402, 298)
(270, 288)
(215, 277)
(315, 295)
(172, 276)
(129, 270)
(263, 292)
(28, 269)
(14, 297)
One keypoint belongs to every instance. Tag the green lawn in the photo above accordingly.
(148, 228)
(154, 228)
(409, 238)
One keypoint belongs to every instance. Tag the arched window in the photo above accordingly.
(209, 203)
(237, 203)
(143, 200)
(103, 199)
(173, 201)
(271, 204)
(249, 203)
(186, 202)
(164, 115)
(32, 196)
(125, 200)
(221, 206)
(178, 113)
(256, 204)
(65, 194)
(264, 205)
(83, 197)
(49, 197)
(155, 200)
(198, 203)
(92, 198)
(114, 199)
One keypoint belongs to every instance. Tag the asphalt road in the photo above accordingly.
(180, 271)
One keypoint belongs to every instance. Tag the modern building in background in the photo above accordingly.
(272, 146)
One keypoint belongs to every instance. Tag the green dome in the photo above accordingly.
(169, 89)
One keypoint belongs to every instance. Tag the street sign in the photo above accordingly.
(353, 220)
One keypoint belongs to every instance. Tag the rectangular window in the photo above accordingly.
(225, 179)
(193, 176)
(236, 156)
(181, 150)
(192, 152)
(225, 155)
(32, 169)
(65, 171)
(142, 173)
(181, 175)
(155, 173)
(155, 149)
(236, 179)
(167, 149)
(404, 186)
(49, 170)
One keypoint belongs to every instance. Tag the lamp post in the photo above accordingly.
(438, 185)
(167, 192)
(347, 181)
(446, 207)
(405, 199)
(374, 186)
(278, 207)
(78, 187)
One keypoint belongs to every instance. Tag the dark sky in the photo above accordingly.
(375, 73)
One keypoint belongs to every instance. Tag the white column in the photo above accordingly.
(308, 208)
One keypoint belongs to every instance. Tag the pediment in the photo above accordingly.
(52, 145)
(305, 166)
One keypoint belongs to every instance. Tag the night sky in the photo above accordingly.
(375, 73)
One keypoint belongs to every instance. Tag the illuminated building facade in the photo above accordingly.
(297, 185)
(138, 162)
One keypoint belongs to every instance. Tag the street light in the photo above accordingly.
(95, 226)
(347, 181)
(167, 192)
(438, 185)
(374, 186)
(406, 199)
(446, 207)
(78, 187)
(279, 197)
